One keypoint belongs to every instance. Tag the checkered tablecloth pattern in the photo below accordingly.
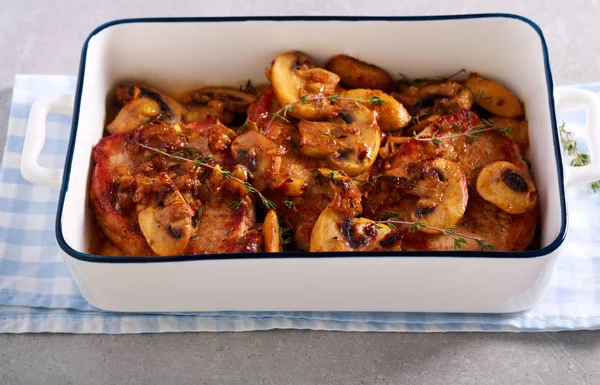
(38, 294)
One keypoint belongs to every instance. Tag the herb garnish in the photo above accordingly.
(200, 161)
(579, 159)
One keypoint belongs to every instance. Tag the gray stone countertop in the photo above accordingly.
(46, 37)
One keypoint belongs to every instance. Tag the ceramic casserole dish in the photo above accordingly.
(178, 54)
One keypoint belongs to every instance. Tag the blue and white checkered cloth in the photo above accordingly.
(37, 293)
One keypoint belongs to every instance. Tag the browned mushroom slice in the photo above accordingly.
(338, 228)
(447, 88)
(294, 76)
(234, 100)
(391, 114)
(446, 209)
(462, 101)
(507, 187)
(142, 105)
(260, 156)
(166, 221)
(350, 143)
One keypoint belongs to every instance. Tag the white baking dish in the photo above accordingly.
(178, 54)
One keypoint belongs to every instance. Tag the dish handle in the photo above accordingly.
(35, 137)
(569, 99)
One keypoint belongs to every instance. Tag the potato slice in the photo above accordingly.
(270, 232)
(351, 143)
(507, 187)
(391, 114)
(355, 73)
(294, 76)
(450, 210)
(233, 99)
(494, 97)
(166, 221)
(338, 229)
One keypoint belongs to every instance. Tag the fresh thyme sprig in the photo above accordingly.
(579, 158)
(199, 161)
(391, 219)
(289, 203)
(289, 108)
(286, 233)
(472, 133)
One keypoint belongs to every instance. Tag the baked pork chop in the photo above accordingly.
(411, 189)
(153, 194)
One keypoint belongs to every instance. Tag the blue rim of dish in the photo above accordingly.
(294, 255)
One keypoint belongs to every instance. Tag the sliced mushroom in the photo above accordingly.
(391, 114)
(447, 88)
(270, 232)
(507, 187)
(294, 76)
(350, 143)
(462, 101)
(133, 115)
(494, 97)
(453, 203)
(335, 232)
(234, 100)
(408, 97)
(355, 73)
(338, 229)
(260, 156)
(166, 222)
(142, 105)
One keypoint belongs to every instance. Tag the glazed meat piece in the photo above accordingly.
(395, 192)
(432, 97)
(223, 227)
(111, 195)
(149, 203)
(271, 151)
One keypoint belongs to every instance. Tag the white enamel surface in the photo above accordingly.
(179, 56)
(352, 284)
